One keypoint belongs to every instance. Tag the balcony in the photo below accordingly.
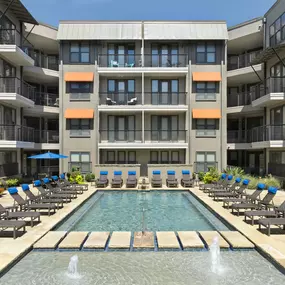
(166, 61)
(121, 98)
(46, 99)
(13, 50)
(205, 97)
(237, 136)
(205, 133)
(165, 136)
(269, 92)
(165, 98)
(239, 99)
(46, 61)
(204, 166)
(241, 61)
(80, 133)
(17, 92)
(13, 136)
(268, 133)
(46, 136)
(126, 136)
(83, 167)
(79, 97)
(119, 60)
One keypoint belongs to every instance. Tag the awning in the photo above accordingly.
(207, 76)
(79, 114)
(79, 76)
(206, 113)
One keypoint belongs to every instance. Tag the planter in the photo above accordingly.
(2, 189)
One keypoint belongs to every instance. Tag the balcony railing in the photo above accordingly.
(204, 166)
(205, 96)
(239, 99)
(121, 135)
(120, 98)
(270, 85)
(165, 135)
(9, 36)
(170, 60)
(16, 133)
(83, 167)
(277, 169)
(79, 96)
(8, 169)
(80, 133)
(15, 85)
(241, 61)
(267, 133)
(46, 136)
(165, 98)
(237, 136)
(119, 60)
(46, 99)
(206, 133)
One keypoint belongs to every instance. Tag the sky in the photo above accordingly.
(234, 12)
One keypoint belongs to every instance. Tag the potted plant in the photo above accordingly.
(3, 186)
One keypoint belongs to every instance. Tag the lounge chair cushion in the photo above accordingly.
(132, 173)
(245, 182)
(224, 176)
(37, 183)
(62, 176)
(12, 190)
(25, 187)
(272, 189)
(171, 172)
(156, 172)
(103, 172)
(230, 177)
(117, 172)
(238, 180)
(260, 186)
(46, 180)
(185, 171)
(55, 178)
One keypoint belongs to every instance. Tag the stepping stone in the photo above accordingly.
(237, 240)
(120, 240)
(190, 240)
(97, 240)
(208, 237)
(73, 240)
(50, 240)
(167, 240)
(143, 240)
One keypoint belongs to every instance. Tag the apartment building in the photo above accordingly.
(141, 92)
(29, 105)
(255, 100)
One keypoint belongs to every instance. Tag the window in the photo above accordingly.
(202, 124)
(81, 161)
(206, 53)
(79, 53)
(80, 87)
(164, 56)
(206, 87)
(277, 31)
(111, 157)
(175, 157)
(132, 157)
(205, 160)
(80, 127)
(277, 157)
(164, 92)
(154, 157)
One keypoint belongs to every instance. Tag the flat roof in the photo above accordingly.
(20, 11)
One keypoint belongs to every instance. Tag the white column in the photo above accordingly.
(143, 140)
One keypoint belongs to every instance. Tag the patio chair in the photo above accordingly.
(110, 102)
(39, 199)
(102, 181)
(226, 186)
(45, 193)
(26, 205)
(268, 222)
(15, 225)
(63, 181)
(156, 180)
(171, 180)
(132, 179)
(56, 182)
(235, 190)
(133, 101)
(276, 212)
(5, 214)
(117, 181)
(264, 203)
(186, 180)
(54, 190)
(218, 184)
(114, 63)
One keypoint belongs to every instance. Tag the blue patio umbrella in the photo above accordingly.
(48, 155)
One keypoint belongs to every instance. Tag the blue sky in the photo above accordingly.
(234, 12)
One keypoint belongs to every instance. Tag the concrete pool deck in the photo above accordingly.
(11, 250)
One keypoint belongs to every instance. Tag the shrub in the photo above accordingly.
(211, 176)
(12, 182)
(271, 181)
(201, 175)
(89, 177)
(235, 171)
(76, 177)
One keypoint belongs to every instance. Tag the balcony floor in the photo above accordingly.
(269, 100)
(16, 100)
(140, 145)
(40, 75)
(15, 55)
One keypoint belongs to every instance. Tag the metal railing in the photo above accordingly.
(80, 133)
(277, 169)
(267, 133)
(83, 167)
(45, 61)
(9, 36)
(237, 136)
(119, 60)
(270, 85)
(120, 135)
(239, 99)
(15, 85)
(120, 98)
(204, 166)
(46, 99)
(170, 60)
(205, 96)
(9, 169)
(241, 61)
(79, 96)
(165, 98)
(46, 136)
(165, 135)
(16, 133)
(206, 133)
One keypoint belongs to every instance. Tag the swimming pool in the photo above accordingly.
(144, 268)
(142, 211)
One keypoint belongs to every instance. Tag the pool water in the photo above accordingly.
(144, 268)
(142, 211)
